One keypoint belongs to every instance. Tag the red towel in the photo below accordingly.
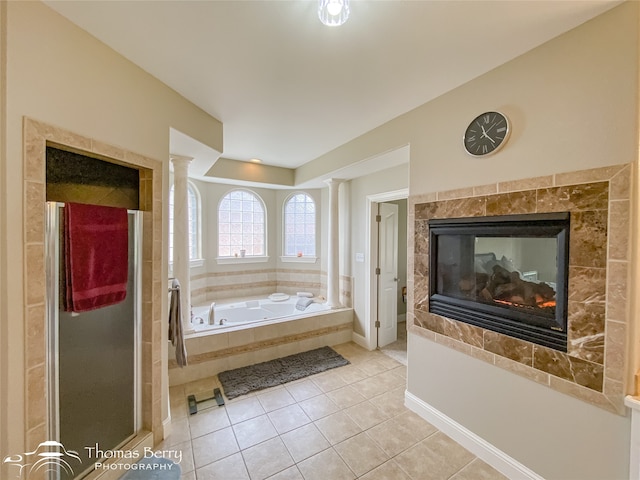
(96, 256)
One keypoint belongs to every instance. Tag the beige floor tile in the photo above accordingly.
(288, 418)
(254, 431)
(324, 466)
(337, 427)
(394, 437)
(201, 387)
(345, 397)
(214, 446)
(358, 408)
(176, 393)
(400, 371)
(361, 454)
(392, 401)
(329, 381)
(388, 380)
(414, 423)
(388, 362)
(207, 421)
(387, 471)
(369, 388)
(291, 473)
(351, 374)
(180, 433)
(478, 470)
(275, 399)
(178, 402)
(373, 367)
(267, 459)
(318, 407)
(435, 458)
(244, 409)
(231, 467)
(305, 442)
(303, 390)
(184, 449)
(188, 476)
(367, 415)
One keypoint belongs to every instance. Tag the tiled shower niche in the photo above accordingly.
(592, 369)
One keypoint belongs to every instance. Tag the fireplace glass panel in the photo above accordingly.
(508, 272)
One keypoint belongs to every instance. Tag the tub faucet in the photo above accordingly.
(212, 314)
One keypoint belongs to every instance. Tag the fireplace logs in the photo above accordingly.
(508, 288)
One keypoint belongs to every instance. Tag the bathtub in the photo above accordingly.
(254, 331)
(246, 312)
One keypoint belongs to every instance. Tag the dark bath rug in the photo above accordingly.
(241, 381)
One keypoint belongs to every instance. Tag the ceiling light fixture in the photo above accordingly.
(333, 13)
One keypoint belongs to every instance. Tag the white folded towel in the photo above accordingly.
(303, 303)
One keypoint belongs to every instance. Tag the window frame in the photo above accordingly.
(248, 258)
(294, 258)
(197, 260)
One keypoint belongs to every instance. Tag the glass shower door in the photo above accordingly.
(96, 373)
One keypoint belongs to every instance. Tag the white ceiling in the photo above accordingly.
(289, 89)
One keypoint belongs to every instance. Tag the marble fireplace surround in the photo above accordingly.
(593, 369)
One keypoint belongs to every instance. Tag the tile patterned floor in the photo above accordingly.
(346, 423)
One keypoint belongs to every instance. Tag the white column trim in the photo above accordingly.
(333, 253)
(181, 261)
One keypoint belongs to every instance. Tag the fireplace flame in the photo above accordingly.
(540, 304)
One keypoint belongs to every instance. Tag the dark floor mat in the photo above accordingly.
(241, 381)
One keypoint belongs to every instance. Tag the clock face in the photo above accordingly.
(486, 134)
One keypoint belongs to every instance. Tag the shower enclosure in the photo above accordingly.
(93, 360)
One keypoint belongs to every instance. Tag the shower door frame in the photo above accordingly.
(52, 305)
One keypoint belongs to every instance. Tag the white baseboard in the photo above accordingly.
(402, 317)
(469, 440)
(361, 340)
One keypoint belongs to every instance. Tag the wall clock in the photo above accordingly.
(486, 134)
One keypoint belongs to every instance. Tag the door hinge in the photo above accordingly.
(378, 218)
(377, 324)
(377, 270)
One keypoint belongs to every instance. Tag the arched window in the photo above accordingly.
(299, 226)
(241, 225)
(193, 198)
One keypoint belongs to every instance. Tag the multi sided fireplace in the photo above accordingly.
(508, 274)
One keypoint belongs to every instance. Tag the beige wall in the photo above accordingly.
(57, 73)
(573, 104)
(389, 180)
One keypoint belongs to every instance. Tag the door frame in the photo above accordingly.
(371, 259)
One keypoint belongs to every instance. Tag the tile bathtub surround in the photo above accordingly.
(349, 422)
(37, 136)
(599, 202)
(217, 286)
(246, 345)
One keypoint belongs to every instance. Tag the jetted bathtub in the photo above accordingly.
(251, 311)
